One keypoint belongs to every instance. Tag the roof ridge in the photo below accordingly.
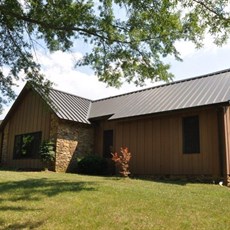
(71, 94)
(166, 84)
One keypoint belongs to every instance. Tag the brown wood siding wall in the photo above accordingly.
(156, 144)
(31, 115)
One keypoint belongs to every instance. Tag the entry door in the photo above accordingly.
(107, 143)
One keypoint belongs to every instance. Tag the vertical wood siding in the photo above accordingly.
(31, 115)
(156, 143)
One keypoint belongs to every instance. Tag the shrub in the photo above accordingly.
(47, 153)
(122, 161)
(92, 165)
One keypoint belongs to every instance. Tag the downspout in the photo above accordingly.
(227, 143)
(224, 142)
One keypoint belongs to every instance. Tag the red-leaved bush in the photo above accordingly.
(122, 161)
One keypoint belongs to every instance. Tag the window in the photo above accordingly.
(108, 143)
(27, 145)
(191, 135)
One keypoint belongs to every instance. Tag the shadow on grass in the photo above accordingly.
(25, 225)
(162, 179)
(36, 189)
(17, 208)
(179, 180)
(176, 181)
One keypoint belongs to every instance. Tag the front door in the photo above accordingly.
(107, 143)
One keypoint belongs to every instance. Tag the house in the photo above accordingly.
(180, 128)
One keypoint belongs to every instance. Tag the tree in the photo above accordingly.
(131, 47)
(122, 161)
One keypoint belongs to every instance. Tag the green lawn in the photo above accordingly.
(40, 200)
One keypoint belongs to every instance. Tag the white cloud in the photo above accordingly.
(58, 67)
(60, 60)
(187, 49)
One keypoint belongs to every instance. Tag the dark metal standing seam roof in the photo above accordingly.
(204, 90)
(69, 107)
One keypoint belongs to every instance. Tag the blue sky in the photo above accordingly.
(59, 68)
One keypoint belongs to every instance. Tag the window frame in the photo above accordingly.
(33, 148)
(191, 134)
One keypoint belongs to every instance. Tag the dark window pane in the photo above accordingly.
(191, 135)
(27, 145)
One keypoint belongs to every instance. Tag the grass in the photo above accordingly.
(41, 200)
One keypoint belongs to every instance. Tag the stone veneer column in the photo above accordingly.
(73, 140)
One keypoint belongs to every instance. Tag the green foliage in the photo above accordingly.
(128, 39)
(47, 152)
(92, 165)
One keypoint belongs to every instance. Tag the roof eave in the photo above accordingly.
(114, 118)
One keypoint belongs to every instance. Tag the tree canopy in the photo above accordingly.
(129, 39)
